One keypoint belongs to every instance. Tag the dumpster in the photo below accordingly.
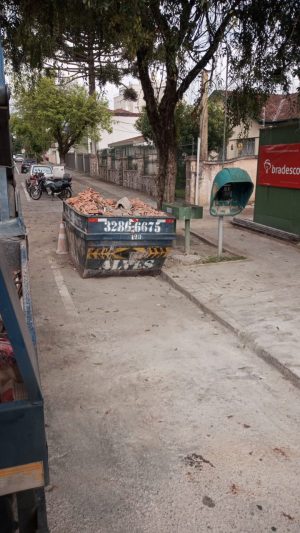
(102, 245)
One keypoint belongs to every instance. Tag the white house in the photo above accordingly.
(123, 127)
(129, 105)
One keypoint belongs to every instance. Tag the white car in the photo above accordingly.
(47, 170)
(18, 158)
(50, 171)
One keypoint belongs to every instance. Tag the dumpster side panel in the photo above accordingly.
(120, 259)
(77, 247)
(104, 246)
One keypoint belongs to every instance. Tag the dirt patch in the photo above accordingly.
(234, 489)
(206, 500)
(200, 253)
(280, 451)
(196, 461)
(288, 516)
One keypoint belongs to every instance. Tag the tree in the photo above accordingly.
(70, 39)
(29, 135)
(216, 119)
(178, 39)
(186, 120)
(187, 123)
(184, 36)
(61, 114)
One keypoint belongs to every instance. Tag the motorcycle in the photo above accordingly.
(32, 180)
(60, 187)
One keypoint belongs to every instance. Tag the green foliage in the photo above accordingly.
(176, 38)
(244, 105)
(130, 94)
(72, 38)
(216, 117)
(27, 133)
(17, 144)
(187, 124)
(50, 113)
(186, 120)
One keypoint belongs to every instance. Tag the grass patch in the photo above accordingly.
(216, 259)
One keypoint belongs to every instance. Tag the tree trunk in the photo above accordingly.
(62, 154)
(91, 67)
(167, 170)
(161, 116)
(166, 143)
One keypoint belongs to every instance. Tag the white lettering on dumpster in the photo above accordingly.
(127, 264)
(132, 226)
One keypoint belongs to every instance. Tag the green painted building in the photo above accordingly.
(277, 201)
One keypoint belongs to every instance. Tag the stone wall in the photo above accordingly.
(131, 179)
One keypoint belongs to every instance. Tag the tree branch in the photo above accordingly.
(200, 65)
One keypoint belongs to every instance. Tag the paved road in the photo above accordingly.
(158, 419)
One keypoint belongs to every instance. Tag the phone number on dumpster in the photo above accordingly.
(132, 226)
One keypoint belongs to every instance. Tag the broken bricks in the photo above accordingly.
(90, 202)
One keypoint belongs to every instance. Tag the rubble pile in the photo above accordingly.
(90, 202)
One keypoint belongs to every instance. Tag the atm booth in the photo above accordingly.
(277, 199)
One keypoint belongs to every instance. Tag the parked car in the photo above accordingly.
(18, 158)
(26, 164)
(35, 170)
(47, 170)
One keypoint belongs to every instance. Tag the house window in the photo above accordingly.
(246, 146)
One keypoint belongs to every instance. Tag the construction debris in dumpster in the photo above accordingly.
(90, 202)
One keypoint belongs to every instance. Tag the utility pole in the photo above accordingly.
(202, 145)
(225, 110)
(221, 218)
(203, 123)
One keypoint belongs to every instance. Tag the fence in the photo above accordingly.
(133, 167)
(80, 162)
(136, 167)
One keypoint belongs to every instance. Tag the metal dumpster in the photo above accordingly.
(105, 246)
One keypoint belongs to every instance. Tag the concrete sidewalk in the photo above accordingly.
(257, 298)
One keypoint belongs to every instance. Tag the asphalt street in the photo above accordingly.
(158, 418)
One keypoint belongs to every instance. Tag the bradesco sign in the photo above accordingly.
(279, 165)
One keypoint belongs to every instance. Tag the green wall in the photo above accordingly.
(275, 206)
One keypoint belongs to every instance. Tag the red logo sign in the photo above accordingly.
(279, 165)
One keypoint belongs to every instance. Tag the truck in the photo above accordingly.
(23, 446)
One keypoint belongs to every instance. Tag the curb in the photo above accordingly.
(291, 238)
(214, 243)
(234, 328)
